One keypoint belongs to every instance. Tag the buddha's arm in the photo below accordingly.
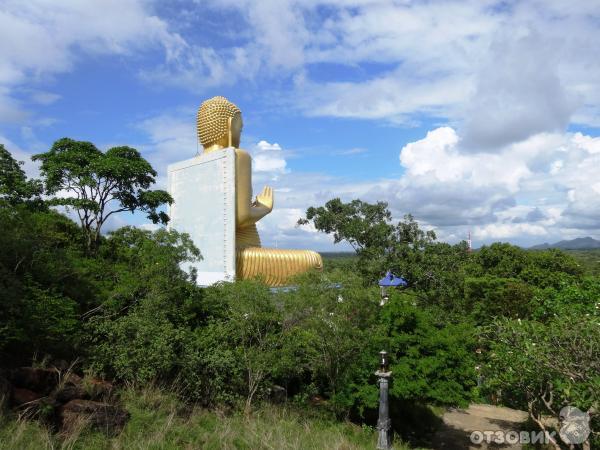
(249, 212)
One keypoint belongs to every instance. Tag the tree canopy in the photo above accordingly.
(99, 184)
(14, 185)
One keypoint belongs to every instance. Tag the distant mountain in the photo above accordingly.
(585, 243)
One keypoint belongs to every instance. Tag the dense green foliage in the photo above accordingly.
(544, 366)
(500, 320)
(532, 316)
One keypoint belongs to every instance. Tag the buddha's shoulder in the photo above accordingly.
(241, 153)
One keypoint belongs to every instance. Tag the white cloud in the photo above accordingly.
(518, 93)
(544, 185)
(503, 71)
(541, 188)
(42, 38)
(508, 78)
(268, 158)
(502, 231)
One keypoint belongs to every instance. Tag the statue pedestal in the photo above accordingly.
(203, 189)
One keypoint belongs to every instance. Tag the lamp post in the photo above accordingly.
(384, 424)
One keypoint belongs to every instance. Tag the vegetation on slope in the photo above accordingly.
(123, 308)
(159, 420)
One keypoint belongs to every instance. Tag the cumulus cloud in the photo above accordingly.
(41, 38)
(519, 193)
(538, 189)
(545, 185)
(518, 93)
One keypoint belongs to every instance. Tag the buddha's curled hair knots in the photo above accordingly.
(212, 119)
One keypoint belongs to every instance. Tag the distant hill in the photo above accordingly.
(338, 254)
(585, 243)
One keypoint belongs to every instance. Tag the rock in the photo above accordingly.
(71, 388)
(43, 381)
(109, 418)
(21, 396)
(70, 392)
(32, 405)
(97, 389)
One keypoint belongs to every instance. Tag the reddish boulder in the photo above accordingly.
(21, 396)
(70, 388)
(43, 381)
(98, 389)
(69, 392)
(109, 418)
(32, 405)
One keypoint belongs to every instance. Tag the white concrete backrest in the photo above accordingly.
(204, 192)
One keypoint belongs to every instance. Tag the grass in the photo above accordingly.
(160, 421)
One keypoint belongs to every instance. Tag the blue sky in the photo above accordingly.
(471, 115)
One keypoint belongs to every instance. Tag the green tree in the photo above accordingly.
(43, 281)
(488, 297)
(538, 268)
(235, 355)
(332, 334)
(98, 185)
(369, 229)
(363, 225)
(140, 328)
(432, 360)
(542, 367)
(435, 269)
(14, 186)
(141, 262)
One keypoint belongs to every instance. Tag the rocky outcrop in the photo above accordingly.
(22, 396)
(43, 381)
(62, 399)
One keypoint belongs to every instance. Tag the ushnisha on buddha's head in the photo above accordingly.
(219, 124)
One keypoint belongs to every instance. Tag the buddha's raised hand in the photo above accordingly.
(265, 199)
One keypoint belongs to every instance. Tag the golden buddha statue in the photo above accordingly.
(220, 126)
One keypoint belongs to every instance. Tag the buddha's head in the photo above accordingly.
(219, 123)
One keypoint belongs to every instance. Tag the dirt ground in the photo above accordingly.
(459, 424)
